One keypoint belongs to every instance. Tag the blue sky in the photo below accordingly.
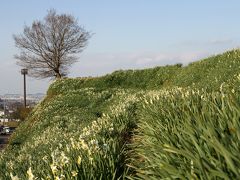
(127, 34)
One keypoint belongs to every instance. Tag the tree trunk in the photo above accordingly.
(58, 75)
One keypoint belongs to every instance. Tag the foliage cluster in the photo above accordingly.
(21, 113)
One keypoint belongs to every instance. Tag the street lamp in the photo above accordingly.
(24, 72)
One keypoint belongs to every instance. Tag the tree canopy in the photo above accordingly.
(49, 47)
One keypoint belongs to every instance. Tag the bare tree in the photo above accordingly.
(49, 47)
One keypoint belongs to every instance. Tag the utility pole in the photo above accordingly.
(5, 112)
(24, 72)
(4, 106)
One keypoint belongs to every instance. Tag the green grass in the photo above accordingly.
(187, 135)
(166, 122)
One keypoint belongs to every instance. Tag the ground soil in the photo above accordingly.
(3, 141)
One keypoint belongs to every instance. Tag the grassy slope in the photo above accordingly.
(82, 127)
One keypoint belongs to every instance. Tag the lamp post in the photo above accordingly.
(24, 72)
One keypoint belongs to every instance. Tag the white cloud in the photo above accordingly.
(95, 64)
(221, 41)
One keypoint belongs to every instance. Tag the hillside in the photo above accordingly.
(164, 122)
